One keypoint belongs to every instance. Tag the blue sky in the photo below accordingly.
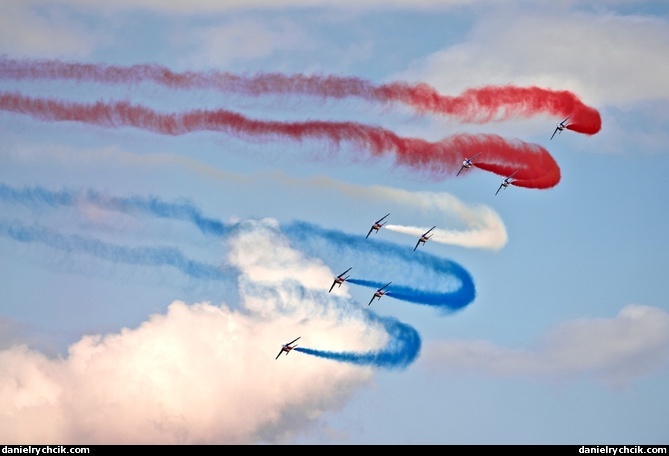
(150, 279)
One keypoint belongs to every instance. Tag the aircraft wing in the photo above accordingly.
(340, 275)
(461, 168)
(417, 243)
(277, 356)
(500, 187)
(293, 341)
(370, 301)
(556, 130)
(370, 232)
(333, 284)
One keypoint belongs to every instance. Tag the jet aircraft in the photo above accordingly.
(340, 279)
(467, 163)
(287, 347)
(506, 181)
(378, 293)
(423, 239)
(561, 126)
(377, 225)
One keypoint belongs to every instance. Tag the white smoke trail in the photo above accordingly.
(458, 223)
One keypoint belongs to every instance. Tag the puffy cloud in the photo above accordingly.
(199, 373)
(613, 351)
(605, 58)
(245, 39)
(23, 30)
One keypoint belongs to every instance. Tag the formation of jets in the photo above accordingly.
(376, 226)
(379, 292)
(424, 237)
(341, 278)
(561, 126)
(287, 347)
(468, 163)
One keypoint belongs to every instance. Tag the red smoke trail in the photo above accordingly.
(585, 120)
(496, 103)
(473, 105)
(537, 169)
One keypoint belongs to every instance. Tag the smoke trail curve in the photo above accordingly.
(536, 167)
(477, 105)
(402, 349)
(404, 342)
(455, 285)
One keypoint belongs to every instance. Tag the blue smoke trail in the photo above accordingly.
(368, 255)
(350, 249)
(37, 196)
(402, 349)
(404, 342)
(147, 256)
(453, 301)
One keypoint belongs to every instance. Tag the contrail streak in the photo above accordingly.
(146, 256)
(535, 167)
(475, 236)
(477, 105)
(134, 205)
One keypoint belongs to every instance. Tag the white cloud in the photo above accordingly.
(604, 58)
(200, 373)
(210, 6)
(613, 351)
(48, 33)
(244, 39)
